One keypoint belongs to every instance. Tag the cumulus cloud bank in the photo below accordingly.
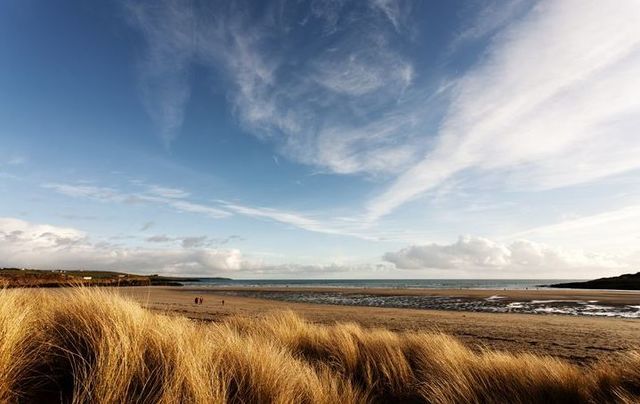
(481, 256)
(32, 245)
(43, 246)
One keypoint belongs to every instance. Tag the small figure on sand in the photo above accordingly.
(196, 300)
(200, 300)
(223, 302)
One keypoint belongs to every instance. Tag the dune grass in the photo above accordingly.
(91, 346)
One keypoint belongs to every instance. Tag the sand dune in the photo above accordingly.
(80, 345)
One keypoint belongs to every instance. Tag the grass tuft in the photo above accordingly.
(86, 345)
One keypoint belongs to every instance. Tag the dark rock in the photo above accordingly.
(622, 282)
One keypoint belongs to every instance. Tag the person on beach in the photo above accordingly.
(223, 302)
(200, 300)
(196, 300)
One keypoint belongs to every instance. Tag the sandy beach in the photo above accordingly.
(579, 339)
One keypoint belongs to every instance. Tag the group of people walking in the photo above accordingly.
(198, 300)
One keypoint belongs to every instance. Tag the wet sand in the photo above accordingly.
(579, 339)
(603, 296)
(571, 302)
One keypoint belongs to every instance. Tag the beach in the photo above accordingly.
(578, 339)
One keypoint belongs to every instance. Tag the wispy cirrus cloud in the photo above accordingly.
(191, 207)
(616, 229)
(396, 11)
(352, 73)
(172, 198)
(193, 241)
(170, 193)
(294, 94)
(169, 31)
(355, 107)
(552, 104)
(328, 226)
(87, 191)
(177, 200)
(489, 19)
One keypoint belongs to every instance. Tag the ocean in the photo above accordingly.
(387, 283)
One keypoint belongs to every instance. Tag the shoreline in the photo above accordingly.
(623, 304)
(602, 295)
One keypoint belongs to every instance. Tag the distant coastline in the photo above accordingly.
(622, 282)
(55, 278)
(486, 284)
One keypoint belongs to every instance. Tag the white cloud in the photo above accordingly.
(171, 193)
(381, 146)
(39, 237)
(391, 9)
(164, 71)
(351, 77)
(86, 191)
(356, 73)
(300, 103)
(616, 230)
(479, 257)
(25, 244)
(175, 199)
(32, 245)
(186, 206)
(170, 197)
(329, 12)
(491, 17)
(553, 102)
(550, 104)
(335, 226)
(192, 241)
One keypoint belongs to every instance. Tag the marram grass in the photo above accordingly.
(92, 346)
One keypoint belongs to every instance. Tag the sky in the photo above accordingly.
(322, 138)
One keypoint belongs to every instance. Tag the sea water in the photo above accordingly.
(387, 283)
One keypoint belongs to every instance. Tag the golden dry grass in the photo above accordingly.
(91, 346)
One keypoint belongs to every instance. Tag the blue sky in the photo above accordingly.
(326, 139)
